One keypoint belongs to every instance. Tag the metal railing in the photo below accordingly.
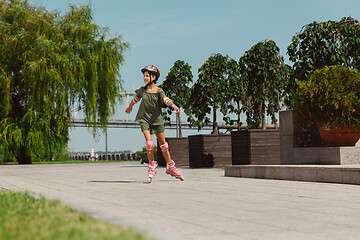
(134, 124)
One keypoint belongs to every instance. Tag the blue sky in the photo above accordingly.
(163, 31)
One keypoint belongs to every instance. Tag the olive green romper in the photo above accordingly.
(150, 111)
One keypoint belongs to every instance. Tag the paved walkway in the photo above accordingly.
(206, 205)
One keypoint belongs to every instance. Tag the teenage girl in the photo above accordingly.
(151, 120)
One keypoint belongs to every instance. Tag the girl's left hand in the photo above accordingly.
(177, 110)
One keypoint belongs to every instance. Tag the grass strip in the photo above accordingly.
(24, 217)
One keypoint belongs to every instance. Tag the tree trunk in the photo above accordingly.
(263, 109)
(263, 120)
(23, 157)
(180, 131)
(239, 123)
(274, 119)
(215, 129)
(262, 115)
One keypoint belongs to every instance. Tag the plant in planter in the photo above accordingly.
(175, 86)
(321, 44)
(143, 155)
(209, 92)
(263, 75)
(330, 98)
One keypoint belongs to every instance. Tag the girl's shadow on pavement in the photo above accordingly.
(120, 181)
(127, 181)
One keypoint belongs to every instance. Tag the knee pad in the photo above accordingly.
(149, 145)
(165, 147)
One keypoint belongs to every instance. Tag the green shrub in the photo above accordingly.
(144, 151)
(330, 97)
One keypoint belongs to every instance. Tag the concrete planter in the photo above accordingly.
(209, 150)
(144, 158)
(179, 151)
(301, 144)
(255, 146)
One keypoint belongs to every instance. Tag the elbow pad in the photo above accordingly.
(166, 101)
(135, 100)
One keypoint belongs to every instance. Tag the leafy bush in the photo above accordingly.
(321, 44)
(330, 97)
(144, 151)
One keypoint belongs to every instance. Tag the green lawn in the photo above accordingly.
(23, 217)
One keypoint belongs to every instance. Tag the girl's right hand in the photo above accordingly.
(128, 109)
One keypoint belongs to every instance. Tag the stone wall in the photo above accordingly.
(300, 143)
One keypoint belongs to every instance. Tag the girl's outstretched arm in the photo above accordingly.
(170, 103)
(132, 103)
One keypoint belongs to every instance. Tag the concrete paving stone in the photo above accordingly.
(280, 235)
(318, 220)
(305, 174)
(339, 218)
(235, 226)
(246, 172)
(261, 172)
(350, 155)
(238, 213)
(304, 155)
(233, 172)
(188, 228)
(207, 205)
(324, 173)
(303, 225)
(329, 155)
(329, 176)
(351, 177)
(338, 233)
(224, 236)
(286, 173)
(334, 230)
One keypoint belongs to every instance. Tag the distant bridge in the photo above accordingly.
(134, 124)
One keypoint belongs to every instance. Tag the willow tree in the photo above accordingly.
(176, 86)
(50, 63)
(321, 44)
(264, 74)
(209, 92)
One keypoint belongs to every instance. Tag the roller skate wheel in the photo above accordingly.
(149, 180)
(181, 178)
